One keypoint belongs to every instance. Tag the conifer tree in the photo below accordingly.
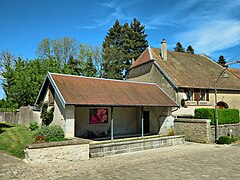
(121, 44)
(190, 49)
(179, 48)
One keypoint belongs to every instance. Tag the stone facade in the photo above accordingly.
(200, 130)
(195, 130)
(226, 130)
(65, 151)
(98, 149)
(149, 73)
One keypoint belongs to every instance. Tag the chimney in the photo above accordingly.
(133, 60)
(164, 49)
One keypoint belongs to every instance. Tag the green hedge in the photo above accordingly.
(225, 116)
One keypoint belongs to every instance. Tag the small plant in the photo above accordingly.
(225, 140)
(51, 133)
(33, 126)
(39, 139)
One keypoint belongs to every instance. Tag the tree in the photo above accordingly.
(62, 49)
(89, 69)
(222, 60)
(22, 79)
(190, 49)
(138, 37)
(121, 44)
(179, 48)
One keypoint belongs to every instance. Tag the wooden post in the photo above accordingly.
(111, 123)
(142, 122)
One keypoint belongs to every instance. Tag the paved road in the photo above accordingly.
(189, 161)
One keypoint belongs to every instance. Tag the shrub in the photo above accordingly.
(33, 126)
(46, 115)
(225, 116)
(205, 113)
(225, 140)
(228, 116)
(51, 133)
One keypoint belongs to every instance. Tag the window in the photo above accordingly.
(202, 94)
(190, 94)
(98, 116)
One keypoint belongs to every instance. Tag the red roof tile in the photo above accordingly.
(190, 70)
(102, 92)
(143, 58)
(235, 72)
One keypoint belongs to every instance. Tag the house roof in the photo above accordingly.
(86, 91)
(189, 70)
(235, 72)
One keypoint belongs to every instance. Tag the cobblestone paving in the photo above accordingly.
(189, 161)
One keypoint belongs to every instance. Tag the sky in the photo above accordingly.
(211, 27)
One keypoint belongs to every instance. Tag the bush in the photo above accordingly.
(228, 116)
(205, 113)
(33, 126)
(51, 133)
(225, 140)
(225, 116)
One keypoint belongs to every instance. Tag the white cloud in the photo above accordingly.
(213, 36)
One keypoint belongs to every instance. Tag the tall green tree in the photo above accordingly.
(179, 47)
(222, 61)
(138, 39)
(121, 44)
(190, 50)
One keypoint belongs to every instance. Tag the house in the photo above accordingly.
(235, 72)
(85, 106)
(189, 79)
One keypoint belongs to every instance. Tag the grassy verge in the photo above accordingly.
(13, 139)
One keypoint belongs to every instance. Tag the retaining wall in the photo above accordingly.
(65, 151)
(200, 130)
(195, 130)
(115, 147)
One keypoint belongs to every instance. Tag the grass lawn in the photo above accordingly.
(14, 138)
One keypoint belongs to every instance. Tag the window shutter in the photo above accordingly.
(207, 95)
(196, 94)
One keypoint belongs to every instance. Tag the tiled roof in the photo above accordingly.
(87, 91)
(143, 58)
(191, 70)
(235, 72)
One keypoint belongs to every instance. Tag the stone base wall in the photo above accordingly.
(226, 130)
(72, 150)
(195, 130)
(98, 149)
(200, 130)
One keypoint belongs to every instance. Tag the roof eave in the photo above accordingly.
(62, 100)
(120, 105)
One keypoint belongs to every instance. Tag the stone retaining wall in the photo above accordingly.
(200, 130)
(65, 151)
(98, 149)
(225, 130)
(195, 130)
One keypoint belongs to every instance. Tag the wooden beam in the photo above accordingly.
(111, 123)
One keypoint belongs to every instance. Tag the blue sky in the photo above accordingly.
(210, 26)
